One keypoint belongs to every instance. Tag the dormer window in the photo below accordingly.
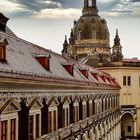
(102, 77)
(84, 72)
(95, 75)
(44, 60)
(108, 78)
(3, 44)
(69, 68)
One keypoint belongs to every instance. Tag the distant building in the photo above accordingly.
(127, 73)
(44, 95)
(89, 43)
(89, 38)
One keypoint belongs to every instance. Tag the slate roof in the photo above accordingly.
(21, 61)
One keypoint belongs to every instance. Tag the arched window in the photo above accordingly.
(3, 44)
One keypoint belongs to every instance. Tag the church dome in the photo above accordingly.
(89, 36)
(91, 26)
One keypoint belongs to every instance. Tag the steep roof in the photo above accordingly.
(21, 61)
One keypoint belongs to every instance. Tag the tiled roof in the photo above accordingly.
(131, 60)
(21, 62)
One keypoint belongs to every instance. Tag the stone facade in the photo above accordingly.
(46, 96)
(89, 38)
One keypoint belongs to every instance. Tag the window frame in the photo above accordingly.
(124, 81)
(4, 129)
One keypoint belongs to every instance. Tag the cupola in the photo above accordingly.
(65, 44)
(117, 55)
(90, 7)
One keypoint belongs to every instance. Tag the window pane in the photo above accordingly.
(64, 117)
(54, 120)
(124, 80)
(129, 128)
(67, 112)
(13, 129)
(129, 81)
(139, 81)
(4, 130)
(50, 122)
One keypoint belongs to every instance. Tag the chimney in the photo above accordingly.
(3, 22)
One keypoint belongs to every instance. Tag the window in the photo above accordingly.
(139, 80)
(129, 128)
(76, 113)
(50, 121)
(13, 129)
(124, 80)
(37, 125)
(65, 117)
(90, 109)
(129, 80)
(84, 111)
(54, 120)
(2, 53)
(3, 130)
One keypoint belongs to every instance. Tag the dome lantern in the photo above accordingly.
(90, 7)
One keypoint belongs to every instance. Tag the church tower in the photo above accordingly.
(89, 36)
(117, 55)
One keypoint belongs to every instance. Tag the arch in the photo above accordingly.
(128, 112)
(127, 124)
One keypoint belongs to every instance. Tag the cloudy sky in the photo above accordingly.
(45, 22)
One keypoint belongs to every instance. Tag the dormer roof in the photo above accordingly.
(22, 63)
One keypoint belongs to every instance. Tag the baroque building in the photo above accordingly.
(89, 38)
(127, 73)
(47, 96)
(89, 43)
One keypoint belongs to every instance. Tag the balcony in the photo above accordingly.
(76, 129)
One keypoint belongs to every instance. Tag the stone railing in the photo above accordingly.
(76, 128)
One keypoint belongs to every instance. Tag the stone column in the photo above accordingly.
(105, 127)
(108, 134)
(135, 128)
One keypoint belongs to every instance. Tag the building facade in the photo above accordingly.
(129, 79)
(89, 38)
(127, 73)
(89, 43)
(46, 96)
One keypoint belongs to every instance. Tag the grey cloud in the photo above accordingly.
(106, 6)
(118, 11)
(70, 3)
(37, 5)
(135, 0)
(31, 6)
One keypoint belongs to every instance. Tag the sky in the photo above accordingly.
(46, 22)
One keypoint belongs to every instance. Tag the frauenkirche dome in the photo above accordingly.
(90, 25)
(89, 36)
